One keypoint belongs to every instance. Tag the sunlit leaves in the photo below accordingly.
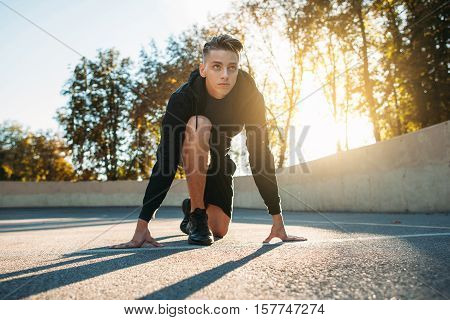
(27, 156)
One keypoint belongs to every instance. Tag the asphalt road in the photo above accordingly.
(62, 253)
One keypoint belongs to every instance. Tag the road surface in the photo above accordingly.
(62, 253)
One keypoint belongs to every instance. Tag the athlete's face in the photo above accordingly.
(220, 69)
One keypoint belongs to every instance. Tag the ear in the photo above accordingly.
(202, 70)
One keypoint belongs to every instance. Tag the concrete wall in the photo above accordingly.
(409, 173)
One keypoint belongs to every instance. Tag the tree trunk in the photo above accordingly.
(366, 76)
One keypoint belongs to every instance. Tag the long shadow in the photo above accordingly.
(436, 249)
(186, 287)
(29, 285)
(85, 255)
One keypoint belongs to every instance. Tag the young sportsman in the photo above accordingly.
(201, 118)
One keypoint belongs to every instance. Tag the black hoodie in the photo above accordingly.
(190, 100)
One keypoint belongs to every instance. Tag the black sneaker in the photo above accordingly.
(199, 232)
(186, 207)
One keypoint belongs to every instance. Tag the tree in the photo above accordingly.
(357, 8)
(27, 156)
(158, 77)
(290, 21)
(96, 117)
(427, 43)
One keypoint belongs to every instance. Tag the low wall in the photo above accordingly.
(409, 173)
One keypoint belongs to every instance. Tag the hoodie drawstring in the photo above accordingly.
(196, 118)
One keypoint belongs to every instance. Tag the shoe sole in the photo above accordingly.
(200, 243)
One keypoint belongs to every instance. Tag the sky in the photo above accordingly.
(35, 64)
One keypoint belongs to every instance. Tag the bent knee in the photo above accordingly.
(198, 122)
(220, 233)
(197, 137)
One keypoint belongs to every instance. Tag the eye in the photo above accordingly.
(232, 68)
(216, 67)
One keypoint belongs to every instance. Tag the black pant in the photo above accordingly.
(219, 188)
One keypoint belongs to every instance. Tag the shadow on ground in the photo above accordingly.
(33, 284)
(29, 283)
(26, 286)
(188, 286)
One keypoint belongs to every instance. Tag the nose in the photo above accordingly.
(225, 73)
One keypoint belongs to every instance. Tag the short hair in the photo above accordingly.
(223, 42)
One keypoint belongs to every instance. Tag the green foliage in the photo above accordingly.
(395, 55)
(415, 49)
(159, 75)
(96, 119)
(26, 156)
(386, 59)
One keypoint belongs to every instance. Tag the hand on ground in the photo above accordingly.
(280, 232)
(138, 241)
